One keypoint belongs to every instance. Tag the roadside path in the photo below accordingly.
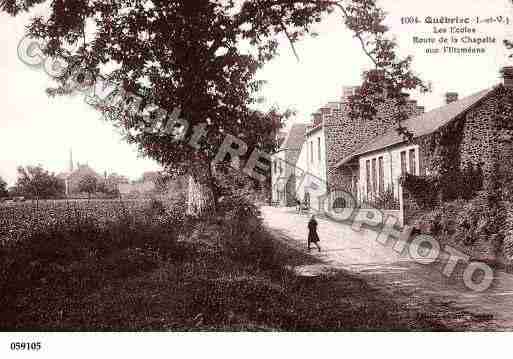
(416, 286)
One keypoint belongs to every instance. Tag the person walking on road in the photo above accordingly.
(313, 237)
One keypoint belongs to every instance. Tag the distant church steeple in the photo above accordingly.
(70, 160)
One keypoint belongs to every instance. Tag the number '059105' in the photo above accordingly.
(35, 346)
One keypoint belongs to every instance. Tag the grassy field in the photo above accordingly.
(17, 220)
(143, 266)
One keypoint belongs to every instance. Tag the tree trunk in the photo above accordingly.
(201, 193)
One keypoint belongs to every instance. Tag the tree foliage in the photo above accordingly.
(88, 184)
(202, 56)
(36, 182)
(3, 188)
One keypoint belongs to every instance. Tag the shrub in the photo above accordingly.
(423, 189)
(462, 182)
(386, 200)
(453, 184)
(239, 207)
(243, 235)
(156, 207)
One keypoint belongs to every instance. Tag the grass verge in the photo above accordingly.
(157, 272)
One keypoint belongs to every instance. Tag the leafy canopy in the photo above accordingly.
(35, 181)
(202, 56)
(88, 184)
(3, 188)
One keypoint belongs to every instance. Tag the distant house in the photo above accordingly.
(137, 189)
(143, 187)
(283, 164)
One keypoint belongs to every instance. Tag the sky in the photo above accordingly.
(35, 129)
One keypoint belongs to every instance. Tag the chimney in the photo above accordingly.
(507, 76)
(348, 91)
(451, 97)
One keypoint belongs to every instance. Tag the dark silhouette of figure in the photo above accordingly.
(313, 237)
(306, 200)
(298, 205)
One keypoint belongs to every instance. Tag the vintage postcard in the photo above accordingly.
(284, 166)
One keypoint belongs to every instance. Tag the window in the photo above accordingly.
(354, 185)
(413, 165)
(311, 151)
(367, 176)
(374, 177)
(319, 148)
(403, 163)
(381, 175)
(281, 168)
(275, 167)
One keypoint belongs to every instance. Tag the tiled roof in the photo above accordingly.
(421, 125)
(281, 136)
(295, 137)
(312, 128)
(294, 141)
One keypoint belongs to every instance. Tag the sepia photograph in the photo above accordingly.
(207, 172)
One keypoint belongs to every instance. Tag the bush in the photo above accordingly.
(156, 207)
(454, 184)
(243, 235)
(461, 183)
(238, 207)
(423, 189)
(386, 200)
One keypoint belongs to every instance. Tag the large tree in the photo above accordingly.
(189, 55)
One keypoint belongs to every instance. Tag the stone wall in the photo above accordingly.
(501, 139)
(344, 135)
(478, 143)
(480, 137)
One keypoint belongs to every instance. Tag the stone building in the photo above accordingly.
(476, 130)
(367, 157)
(334, 135)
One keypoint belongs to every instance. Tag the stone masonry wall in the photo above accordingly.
(345, 135)
(501, 139)
(485, 140)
